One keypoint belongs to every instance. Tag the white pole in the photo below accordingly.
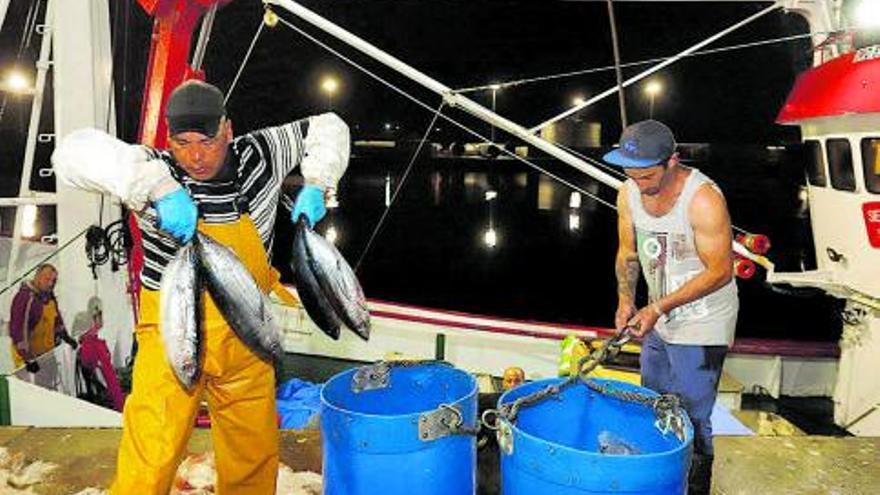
(46, 199)
(661, 65)
(452, 98)
(4, 5)
(24, 187)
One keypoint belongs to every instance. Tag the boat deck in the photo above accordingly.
(744, 465)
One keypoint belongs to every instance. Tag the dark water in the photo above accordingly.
(430, 251)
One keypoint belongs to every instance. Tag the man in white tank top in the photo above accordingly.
(674, 229)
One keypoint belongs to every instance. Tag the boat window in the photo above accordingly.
(840, 164)
(871, 163)
(815, 163)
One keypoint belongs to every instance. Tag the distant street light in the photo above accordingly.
(329, 85)
(29, 221)
(652, 89)
(17, 83)
(578, 101)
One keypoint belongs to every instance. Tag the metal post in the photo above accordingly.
(440, 347)
(620, 94)
(204, 37)
(661, 65)
(4, 5)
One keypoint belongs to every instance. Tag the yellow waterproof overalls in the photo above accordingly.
(159, 415)
(42, 339)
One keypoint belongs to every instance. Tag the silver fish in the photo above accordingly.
(239, 298)
(309, 289)
(337, 280)
(180, 309)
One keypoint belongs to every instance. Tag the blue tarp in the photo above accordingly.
(297, 402)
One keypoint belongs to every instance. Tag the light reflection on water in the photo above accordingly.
(432, 249)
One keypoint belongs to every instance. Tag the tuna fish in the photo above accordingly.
(310, 293)
(327, 285)
(238, 297)
(180, 308)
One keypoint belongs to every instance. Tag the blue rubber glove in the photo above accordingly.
(177, 215)
(309, 202)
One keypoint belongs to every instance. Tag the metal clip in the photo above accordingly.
(441, 422)
(504, 435)
(372, 377)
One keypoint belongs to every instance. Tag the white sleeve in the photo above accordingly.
(96, 161)
(327, 146)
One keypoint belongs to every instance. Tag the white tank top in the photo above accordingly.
(669, 258)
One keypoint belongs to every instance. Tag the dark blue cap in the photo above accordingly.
(643, 144)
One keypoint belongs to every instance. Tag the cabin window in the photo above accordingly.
(871, 163)
(840, 164)
(815, 163)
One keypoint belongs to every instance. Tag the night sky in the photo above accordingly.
(731, 97)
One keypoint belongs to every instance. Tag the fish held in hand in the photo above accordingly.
(309, 289)
(180, 307)
(338, 281)
(238, 297)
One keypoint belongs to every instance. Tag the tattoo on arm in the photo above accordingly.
(627, 277)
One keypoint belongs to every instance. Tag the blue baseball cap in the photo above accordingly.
(642, 145)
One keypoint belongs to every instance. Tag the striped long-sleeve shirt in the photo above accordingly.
(261, 160)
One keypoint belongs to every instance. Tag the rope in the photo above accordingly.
(444, 117)
(247, 56)
(651, 61)
(44, 260)
(483, 138)
(399, 187)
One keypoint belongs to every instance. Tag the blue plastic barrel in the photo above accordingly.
(585, 442)
(371, 438)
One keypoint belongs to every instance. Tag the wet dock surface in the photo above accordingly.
(743, 465)
(87, 457)
(796, 465)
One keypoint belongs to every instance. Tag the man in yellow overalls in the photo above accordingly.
(35, 325)
(234, 185)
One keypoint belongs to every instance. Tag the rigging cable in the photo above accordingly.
(607, 68)
(444, 117)
(247, 57)
(399, 187)
(44, 260)
(467, 129)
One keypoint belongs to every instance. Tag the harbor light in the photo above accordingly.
(29, 221)
(652, 89)
(574, 221)
(16, 82)
(329, 85)
(490, 237)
